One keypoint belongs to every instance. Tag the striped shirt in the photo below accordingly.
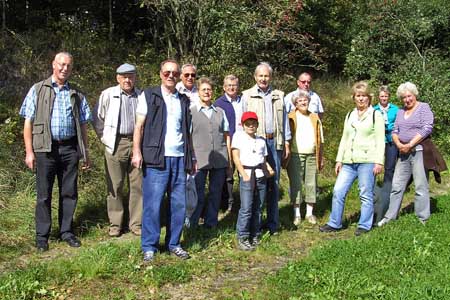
(127, 112)
(62, 124)
(419, 122)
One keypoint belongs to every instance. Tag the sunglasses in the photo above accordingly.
(187, 75)
(174, 73)
(305, 81)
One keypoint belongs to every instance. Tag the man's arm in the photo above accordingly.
(28, 140)
(137, 160)
(84, 136)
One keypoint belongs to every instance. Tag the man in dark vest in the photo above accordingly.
(162, 146)
(55, 133)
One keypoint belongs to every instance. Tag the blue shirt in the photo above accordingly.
(389, 115)
(62, 124)
(208, 111)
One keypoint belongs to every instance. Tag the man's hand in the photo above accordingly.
(86, 163)
(136, 159)
(194, 168)
(30, 160)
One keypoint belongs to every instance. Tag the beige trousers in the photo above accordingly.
(118, 169)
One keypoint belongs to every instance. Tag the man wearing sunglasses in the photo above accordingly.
(162, 147)
(187, 84)
(304, 83)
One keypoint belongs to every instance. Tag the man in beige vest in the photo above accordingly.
(114, 124)
(268, 104)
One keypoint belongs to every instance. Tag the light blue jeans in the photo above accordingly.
(273, 189)
(407, 165)
(344, 181)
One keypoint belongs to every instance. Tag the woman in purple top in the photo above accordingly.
(414, 123)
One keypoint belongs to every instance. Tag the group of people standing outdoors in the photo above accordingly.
(156, 139)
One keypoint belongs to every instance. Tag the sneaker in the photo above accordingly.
(360, 231)
(328, 228)
(383, 222)
(114, 231)
(245, 245)
(149, 256)
(311, 219)
(180, 253)
(255, 241)
(297, 221)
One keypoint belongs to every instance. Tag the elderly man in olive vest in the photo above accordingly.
(55, 133)
(114, 119)
(268, 104)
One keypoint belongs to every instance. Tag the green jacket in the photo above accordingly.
(362, 140)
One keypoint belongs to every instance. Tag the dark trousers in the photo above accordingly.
(61, 162)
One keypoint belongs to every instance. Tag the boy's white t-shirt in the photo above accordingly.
(252, 151)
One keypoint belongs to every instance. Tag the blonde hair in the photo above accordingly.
(363, 88)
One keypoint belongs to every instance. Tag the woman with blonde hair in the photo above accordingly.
(360, 156)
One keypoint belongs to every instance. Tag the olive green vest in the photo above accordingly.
(45, 96)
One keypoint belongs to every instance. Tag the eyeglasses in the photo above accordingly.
(187, 75)
(305, 81)
(174, 73)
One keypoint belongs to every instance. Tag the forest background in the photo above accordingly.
(340, 41)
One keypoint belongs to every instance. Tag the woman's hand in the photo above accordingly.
(338, 168)
(377, 169)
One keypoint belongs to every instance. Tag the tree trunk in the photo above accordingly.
(3, 15)
(111, 23)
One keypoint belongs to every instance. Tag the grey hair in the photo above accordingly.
(64, 53)
(384, 88)
(263, 64)
(188, 65)
(407, 87)
(299, 95)
(203, 80)
(304, 73)
(230, 77)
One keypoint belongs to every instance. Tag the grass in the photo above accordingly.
(404, 260)
(327, 266)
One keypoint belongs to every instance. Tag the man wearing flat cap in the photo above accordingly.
(114, 119)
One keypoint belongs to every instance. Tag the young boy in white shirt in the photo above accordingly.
(249, 155)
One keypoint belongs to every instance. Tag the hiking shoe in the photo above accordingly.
(360, 231)
(311, 219)
(180, 253)
(297, 221)
(328, 228)
(383, 222)
(245, 245)
(114, 231)
(149, 256)
(136, 231)
(42, 246)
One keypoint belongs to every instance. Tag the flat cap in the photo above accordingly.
(126, 69)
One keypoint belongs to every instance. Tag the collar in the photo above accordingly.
(184, 89)
(229, 99)
(261, 92)
(132, 94)
(167, 93)
(65, 85)
(200, 107)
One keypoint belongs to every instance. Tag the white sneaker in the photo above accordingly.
(297, 221)
(383, 222)
(311, 219)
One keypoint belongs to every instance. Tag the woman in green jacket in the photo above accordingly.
(360, 155)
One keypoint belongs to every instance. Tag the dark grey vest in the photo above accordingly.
(207, 136)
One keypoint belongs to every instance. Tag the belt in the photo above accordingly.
(126, 136)
(269, 136)
(70, 141)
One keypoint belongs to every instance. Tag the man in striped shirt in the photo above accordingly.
(114, 118)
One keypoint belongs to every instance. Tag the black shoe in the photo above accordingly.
(328, 228)
(72, 241)
(42, 246)
(360, 231)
